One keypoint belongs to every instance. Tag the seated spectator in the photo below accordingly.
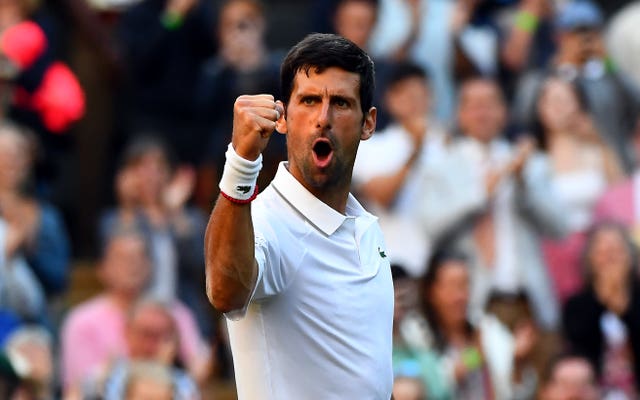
(243, 65)
(152, 199)
(151, 337)
(457, 359)
(602, 322)
(571, 377)
(458, 39)
(493, 201)
(94, 331)
(27, 365)
(389, 167)
(34, 256)
(582, 167)
(164, 43)
(149, 381)
(581, 57)
(355, 20)
(621, 202)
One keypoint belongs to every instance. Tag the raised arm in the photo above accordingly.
(231, 267)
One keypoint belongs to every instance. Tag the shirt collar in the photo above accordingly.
(313, 209)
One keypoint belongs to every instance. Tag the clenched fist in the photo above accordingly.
(254, 120)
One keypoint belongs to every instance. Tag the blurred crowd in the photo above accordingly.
(505, 172)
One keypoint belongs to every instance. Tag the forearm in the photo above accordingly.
(515, 52)
(384, 189)
(231, 269)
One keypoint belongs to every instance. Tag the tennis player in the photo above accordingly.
(301, 270)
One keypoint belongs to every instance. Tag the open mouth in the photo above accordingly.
(322, 152)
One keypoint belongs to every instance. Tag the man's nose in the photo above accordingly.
(324, 115)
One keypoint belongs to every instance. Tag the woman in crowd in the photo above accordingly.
(455, 358)
(34, 249)
(602, 321)
(152, 198)
(583, 166)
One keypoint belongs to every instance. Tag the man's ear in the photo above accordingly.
(281, 123)
(369, 124)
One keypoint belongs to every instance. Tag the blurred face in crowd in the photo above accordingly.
(558, 106)
(572, 379)
(125, 267)
(449, 293)
(355, 19)
(242, 25)
(481, 110)
(609, 255)
(408, 98)
(151, 334)
(408, 389)
(14, 159)
(579, 45)
(149, 389)
(152, 175)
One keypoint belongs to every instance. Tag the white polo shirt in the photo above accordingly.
(318, 326)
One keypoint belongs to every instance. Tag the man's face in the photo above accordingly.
(355, 19)
(408, 98)
(150, 334)
(324, 125)
(579, 45)
(125, 266)
(572, 379)
(481, 111)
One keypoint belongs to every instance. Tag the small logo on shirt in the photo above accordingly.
(382, 253)
(243, 189)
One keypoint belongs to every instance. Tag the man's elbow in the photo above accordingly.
(222, 300)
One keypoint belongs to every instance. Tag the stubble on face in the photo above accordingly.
(324, 128)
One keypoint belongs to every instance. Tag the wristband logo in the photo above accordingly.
(244, 189)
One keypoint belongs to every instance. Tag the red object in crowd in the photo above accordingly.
(59, 100)
(23, 43)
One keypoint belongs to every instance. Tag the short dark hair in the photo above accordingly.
(321, 51)
(405, 70)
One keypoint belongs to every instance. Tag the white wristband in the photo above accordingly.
(240, 176)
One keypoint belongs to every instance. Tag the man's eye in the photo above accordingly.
(341, 103)
(308, 101)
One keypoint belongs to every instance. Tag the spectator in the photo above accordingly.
(149, 381)
(35, 251)
(151, 337)
(602, 322)
(164, 42)
(390, 166)
(355, 20)
(152, 196)
(458, 359)
(94, 331)
(583, 166)
(28, 353)
(243, 65)
(451, 38)
(493, 201)
(571, 378)
(611, 97)
(620, 202)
